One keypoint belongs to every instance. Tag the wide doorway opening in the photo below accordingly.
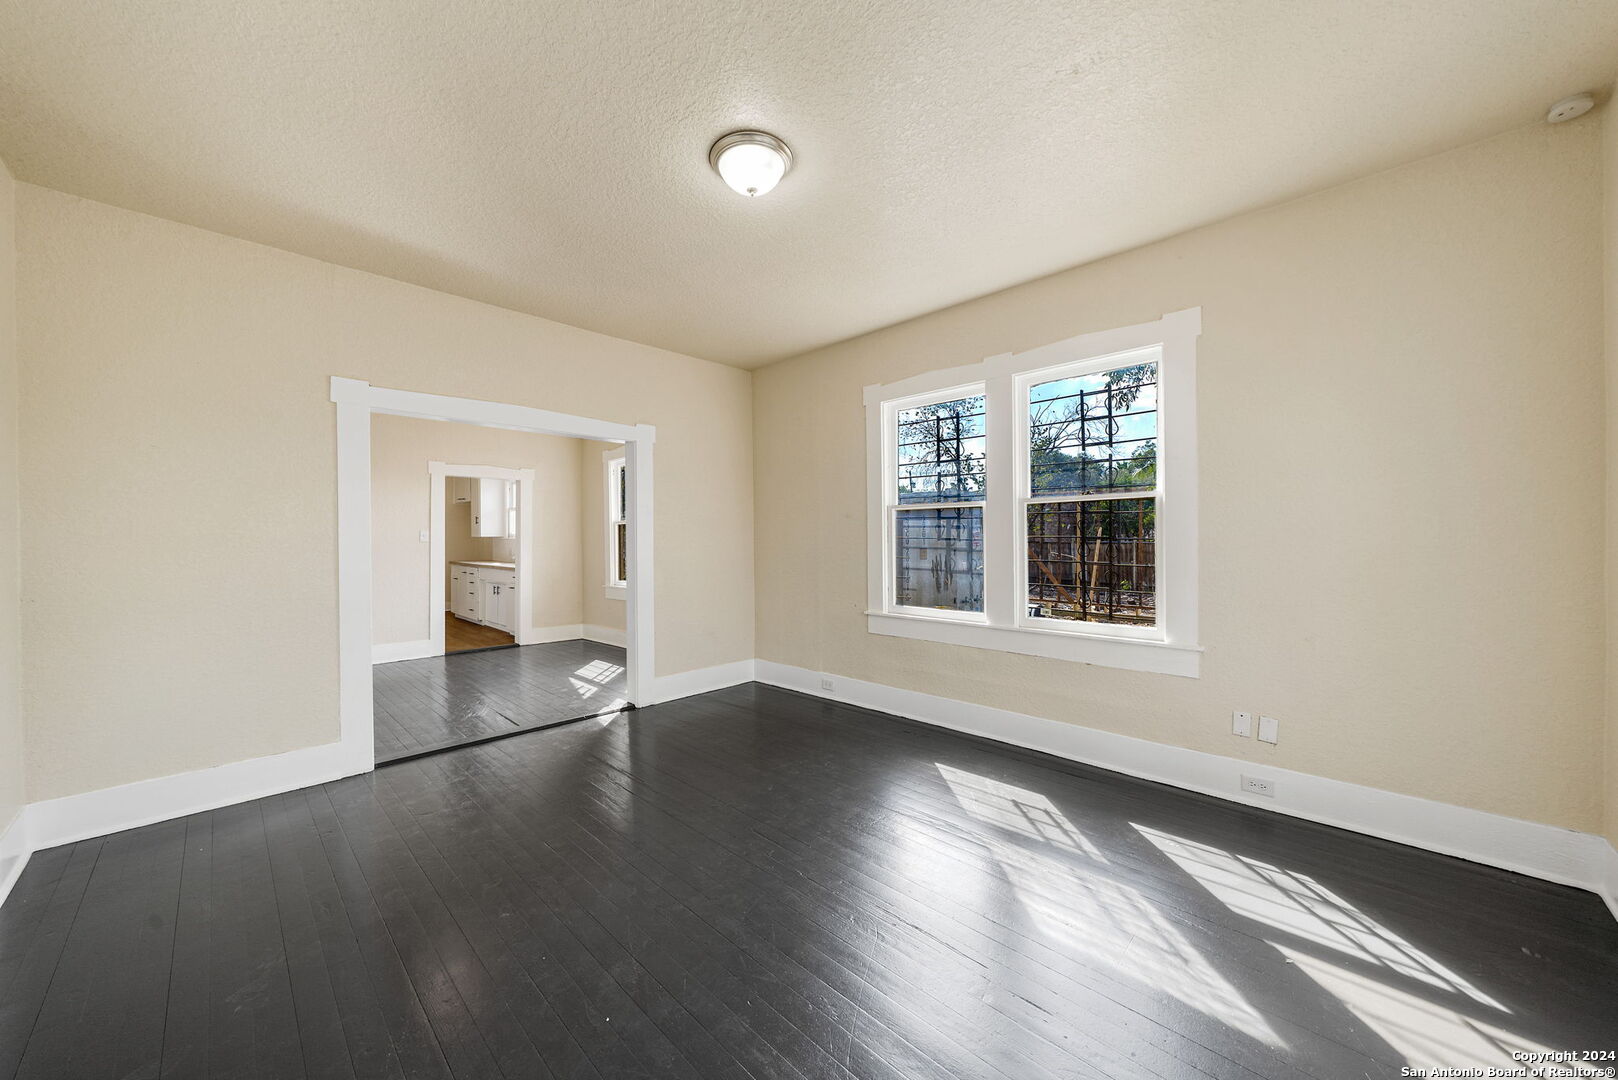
(500, 570)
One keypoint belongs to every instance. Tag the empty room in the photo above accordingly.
(984, 541)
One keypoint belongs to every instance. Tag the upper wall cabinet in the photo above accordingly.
(463, 489)
(489, 513)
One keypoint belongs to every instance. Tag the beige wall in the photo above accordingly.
(1400, 400)
(1609, 144)
(401, 447)
(599, 610)
(13, 792)
(179, 462)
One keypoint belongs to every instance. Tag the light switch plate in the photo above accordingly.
(1269, 729)
(1241, 723)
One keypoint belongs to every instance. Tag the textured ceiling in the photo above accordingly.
(551, 157)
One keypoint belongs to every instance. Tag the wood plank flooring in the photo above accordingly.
(757, 884)
(460, 635)
(445, 701)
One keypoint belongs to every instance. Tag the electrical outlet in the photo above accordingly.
(1241, 723)
(424, 537)
(825, 684)
(1258, 785)
(1269, 729)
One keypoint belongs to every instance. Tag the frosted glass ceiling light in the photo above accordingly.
(751, 162)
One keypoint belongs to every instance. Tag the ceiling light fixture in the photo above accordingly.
(751, 162)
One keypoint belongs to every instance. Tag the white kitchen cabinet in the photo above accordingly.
(484, 594)
(497, 604)
(489, 512)
(463, 593)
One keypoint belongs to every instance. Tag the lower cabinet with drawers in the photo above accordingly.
(484, 594)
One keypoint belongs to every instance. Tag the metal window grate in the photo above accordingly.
(1094, 432)
(942, 449)
(1093, 561)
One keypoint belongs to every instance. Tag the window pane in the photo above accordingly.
(941, 452)
(939, 557)
(1093, 561)
(1094, 432)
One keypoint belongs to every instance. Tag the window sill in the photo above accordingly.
(1133, 654)
(616, 592)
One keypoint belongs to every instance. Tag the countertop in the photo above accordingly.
(487, 565)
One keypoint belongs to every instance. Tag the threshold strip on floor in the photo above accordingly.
(497, 736)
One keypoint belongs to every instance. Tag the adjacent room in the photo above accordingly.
(989, 541)
(504, 544)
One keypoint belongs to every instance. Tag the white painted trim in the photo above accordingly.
(614, 592)
(356, 400)
(354, 693)
(703, 680)
(639, 618)
(110, 810)
(1565, 856)
(606, 635)
(1170, 648)
(1607, 878)
(393, 652)
(1130, 654)
(1543, 851)
(482, 413)
(14, 851)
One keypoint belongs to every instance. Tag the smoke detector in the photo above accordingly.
(1570, 108)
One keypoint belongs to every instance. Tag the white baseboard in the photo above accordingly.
(541, 635)
(1543, 851)
(401, 650)
(702, 680)
(110, 810)
(606, 635)
(1565, 856)
(1607, 878)
(14, 851)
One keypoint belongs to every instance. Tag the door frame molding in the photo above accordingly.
(522, 631)
(356, 401)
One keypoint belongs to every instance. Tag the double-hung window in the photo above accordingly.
(617, 530)
(1044, 502)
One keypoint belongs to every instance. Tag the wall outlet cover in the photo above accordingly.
(1241, 723)
(1269, 729)
(1258, 785)
(825, 684)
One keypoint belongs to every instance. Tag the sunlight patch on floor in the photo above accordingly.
(1015, 808)
(1299, 905)
(1062, 882)
(600, 671)
(1426, 1033)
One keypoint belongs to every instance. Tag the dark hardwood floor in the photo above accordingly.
(445, 701)
(757, 884)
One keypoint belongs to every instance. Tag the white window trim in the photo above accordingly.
(1172, 647)
(612, 462)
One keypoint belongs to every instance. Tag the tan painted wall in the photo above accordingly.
(1400, 403)
(13, 790)
(401, 447)
(598, 609)
(179, 458)
(1609, 144)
